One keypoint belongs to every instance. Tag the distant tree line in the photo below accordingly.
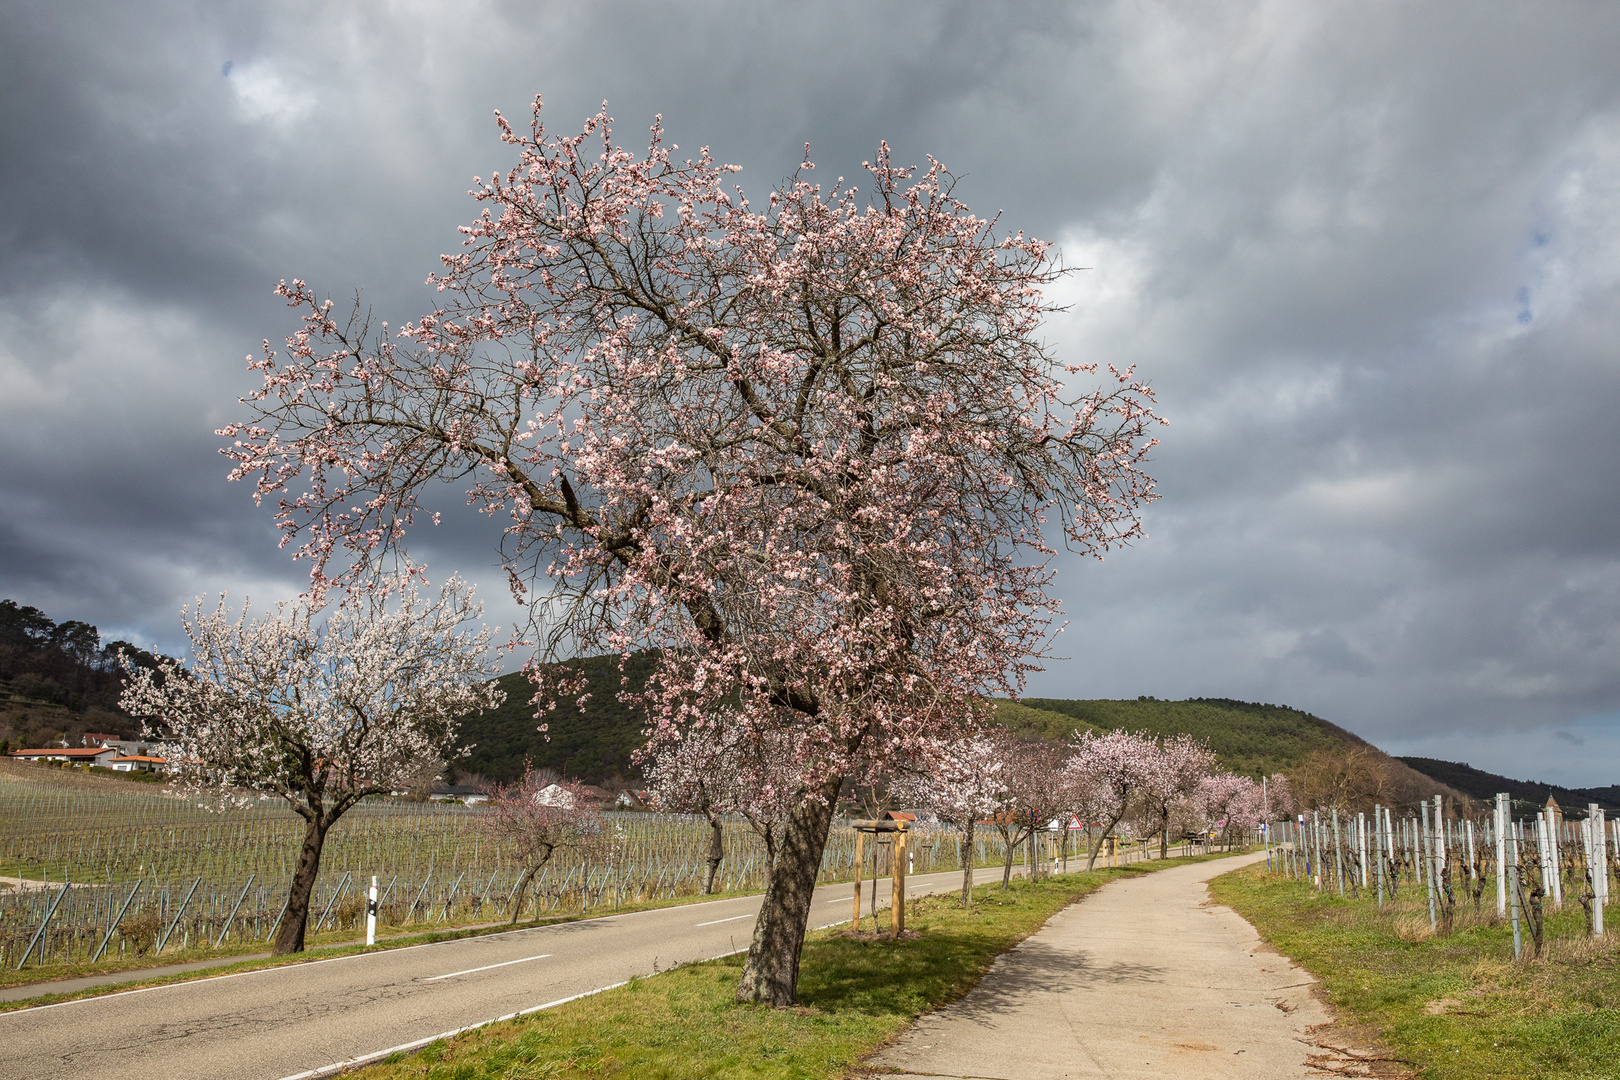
(62, 663)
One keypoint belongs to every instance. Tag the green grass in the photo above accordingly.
(1454, 1006)
(855, 994)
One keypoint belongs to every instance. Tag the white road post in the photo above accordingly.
(371, 912)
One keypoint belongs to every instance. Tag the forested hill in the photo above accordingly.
(594, 746)
(1484, 786)
(58, 680)
(1248, 738)
(597, 745)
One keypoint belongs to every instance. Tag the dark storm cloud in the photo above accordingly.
(1367, 254)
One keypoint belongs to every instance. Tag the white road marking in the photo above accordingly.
(409, 948)
(416, 1044)
(734, 918)
(488, 967)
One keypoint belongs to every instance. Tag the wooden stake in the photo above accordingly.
(860, 857)
(897, 876)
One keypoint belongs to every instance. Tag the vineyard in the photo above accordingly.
(110, 870)
(1461, 870)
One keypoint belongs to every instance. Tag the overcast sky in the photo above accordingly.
(1368, 255)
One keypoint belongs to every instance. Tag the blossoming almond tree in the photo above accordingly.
(535, 824)
(724, 766)
(318, 714)
(810, 450)
(1106, 773)
(1032, 774)
(964, 782)
(1230, 802)
(1171, 773)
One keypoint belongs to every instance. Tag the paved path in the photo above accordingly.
(297, 1020)
(1147, 977)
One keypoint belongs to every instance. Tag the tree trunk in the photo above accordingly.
(1008, 846)
(770, 975)
(1164, 833)
(523, 891)
(717, 852)
(967, 865)
(1091, 858)
(1030, 845)
(1102, 836)
(290, 934)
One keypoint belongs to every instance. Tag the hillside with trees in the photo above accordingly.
(1526, 794)
(58, 680)
(1249, 738)
(594, 745)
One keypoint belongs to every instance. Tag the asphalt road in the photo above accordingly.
(303, 1020)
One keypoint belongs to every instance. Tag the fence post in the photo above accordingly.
(860, 856)
(1500, 825)
(483, 897)
(232, 918)
(1361, 846)
(452, 897)
(339, 892)
(279, 916)
(1513, 896)
(1599, 863)
(420, 893)
(40, 933)
(897, 881)
(180, 911)
(1378, 850)
(1338, 852)
(115, 922)
(1426, 841)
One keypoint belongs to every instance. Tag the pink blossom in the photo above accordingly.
(808, 451)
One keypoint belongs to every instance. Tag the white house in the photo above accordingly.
(88, 755)
(554, 795)
(139, 763)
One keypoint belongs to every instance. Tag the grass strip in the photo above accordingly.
(856, 992)
(1454, 1006)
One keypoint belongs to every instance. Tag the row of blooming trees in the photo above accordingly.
(1020, 786)
(815, 452)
